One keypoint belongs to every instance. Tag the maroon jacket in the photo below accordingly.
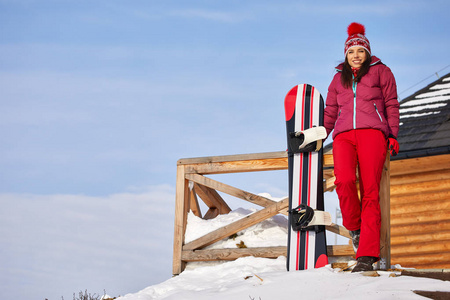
(374, 105)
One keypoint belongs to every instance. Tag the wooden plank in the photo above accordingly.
(420, 228)
(329, 185)
(230, 190)
(194, 206)
(419, 206)
(436, 236)
(424, 164)
(238, 225)
(328, 173)
(233, 158)
(338, 230)
(232, 254)
(244, 163)
(420, 187)
(266, 252)
(420, 177)
(328, 160)
(421, 259)
(340, 250)
(211, 213)
(181, 209)
(204, 195)
(212, 199)
(419, 199)
(433, 216)
(428, 247)
(256, 165)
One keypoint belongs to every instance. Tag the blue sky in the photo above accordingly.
(99, 99)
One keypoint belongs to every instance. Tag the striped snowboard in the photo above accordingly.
(304, 109)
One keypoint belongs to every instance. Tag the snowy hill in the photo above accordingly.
(266, 279)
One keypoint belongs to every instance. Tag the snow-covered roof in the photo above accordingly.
(425, 121)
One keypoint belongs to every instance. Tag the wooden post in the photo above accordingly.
(181, 210)
(385, 206)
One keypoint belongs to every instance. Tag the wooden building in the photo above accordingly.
(420, 180)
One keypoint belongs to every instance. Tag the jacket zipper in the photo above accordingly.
(354, 103)
(376, 109)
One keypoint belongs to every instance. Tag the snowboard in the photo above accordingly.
(307, 247)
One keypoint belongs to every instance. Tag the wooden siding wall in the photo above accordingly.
(420, 212)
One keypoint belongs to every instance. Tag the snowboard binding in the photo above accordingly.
(307, 140)
(304, 218)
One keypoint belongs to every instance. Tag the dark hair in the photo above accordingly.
(347, 74)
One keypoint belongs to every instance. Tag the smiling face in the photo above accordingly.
(356, 56)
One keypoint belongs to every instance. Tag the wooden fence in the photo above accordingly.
(192, 182)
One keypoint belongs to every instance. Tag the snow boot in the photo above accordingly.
(364, 263)
(355, 239)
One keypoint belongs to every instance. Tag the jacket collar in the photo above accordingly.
(374, 60)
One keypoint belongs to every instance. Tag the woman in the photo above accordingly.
(363, 110)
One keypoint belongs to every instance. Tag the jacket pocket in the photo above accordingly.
(378, 113)
(338, 116)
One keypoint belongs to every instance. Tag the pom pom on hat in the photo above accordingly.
(356, 37)
(356, 28)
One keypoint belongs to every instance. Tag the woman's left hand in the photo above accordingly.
(393, 145)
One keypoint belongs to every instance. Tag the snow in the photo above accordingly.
(434, 100)
(425, 101)
(265, 279)
(419, 108)
(440, 86)
(269, 233)
(419, 115)
(435, 93)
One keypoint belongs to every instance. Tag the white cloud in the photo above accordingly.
(60, 244)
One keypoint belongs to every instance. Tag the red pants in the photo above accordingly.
(365, 148)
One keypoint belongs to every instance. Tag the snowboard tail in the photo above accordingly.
(304, 110)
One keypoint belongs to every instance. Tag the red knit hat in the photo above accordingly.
(356, 37)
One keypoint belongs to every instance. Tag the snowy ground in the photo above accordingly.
(264, 279)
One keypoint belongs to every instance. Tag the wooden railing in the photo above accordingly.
(192, 182)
